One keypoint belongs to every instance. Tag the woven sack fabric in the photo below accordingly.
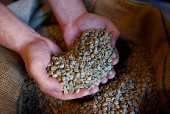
(138, 22)
(145, 26)
(11, 79)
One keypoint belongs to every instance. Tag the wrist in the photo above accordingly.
(14, 32)
(29, 40)
(66, 11)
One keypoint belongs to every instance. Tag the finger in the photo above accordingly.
(94, 89)
(114, 31)
(83, 92)
(69, 96)
(46, 82)
(52, 45)
(98, 83)
(110, 76)
(70, 38)
(116, 59)
(104, 80)
(42, 78)
(115, 36)
(51, 84)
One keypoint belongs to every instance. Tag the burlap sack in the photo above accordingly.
(146, 26)
(11, 73)
(137, 22)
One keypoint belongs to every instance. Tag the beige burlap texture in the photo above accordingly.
(140, 23)
(145, 26)
(11, 73)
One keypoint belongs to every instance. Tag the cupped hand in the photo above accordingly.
(36, 55)
(90, 21)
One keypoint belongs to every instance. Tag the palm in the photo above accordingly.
(91, 21)
(37, 55)
(87, 21)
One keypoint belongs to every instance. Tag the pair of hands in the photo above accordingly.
(37, 54)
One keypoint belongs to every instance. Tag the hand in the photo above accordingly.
(35, 51)
(36, 55)
(90, 21)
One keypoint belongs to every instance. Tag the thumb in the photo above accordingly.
(52, 84)
(45, 82)
(114, 31)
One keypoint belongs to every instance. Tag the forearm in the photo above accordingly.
(67, 11)
(14, 33)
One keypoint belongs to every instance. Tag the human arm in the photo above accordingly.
(19, 37)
